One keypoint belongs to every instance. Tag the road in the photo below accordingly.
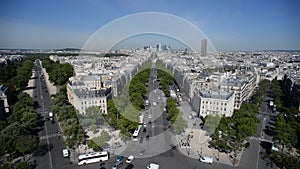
(49, 153)
(261, 140)
(157, 148)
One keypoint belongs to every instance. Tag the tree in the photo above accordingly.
(180, 124)
(95, 115)
(29, 119)
(285, 134)
(26, 144)
(211, 122)
(8, 137)
(102, 139)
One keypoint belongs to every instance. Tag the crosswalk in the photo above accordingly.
(260, 139)
(50, 136)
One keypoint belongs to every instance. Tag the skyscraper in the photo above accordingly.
(204, 47)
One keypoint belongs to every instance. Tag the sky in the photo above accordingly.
(231, 25)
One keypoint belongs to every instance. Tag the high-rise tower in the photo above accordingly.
(204, 47)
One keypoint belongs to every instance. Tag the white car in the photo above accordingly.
(129, 159)
(65, 152)
(206, 159)
(153, 166)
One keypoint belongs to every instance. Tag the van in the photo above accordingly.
(206, 159)
(117, 165)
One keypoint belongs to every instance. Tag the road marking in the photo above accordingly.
(49, 136)
(49, 152)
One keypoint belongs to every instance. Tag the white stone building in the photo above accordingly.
(208, 102)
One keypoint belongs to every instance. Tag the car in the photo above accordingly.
(117, 165)
(206, 159)
(142, 152)
(147, 137)
(98, 149)
(129, 159)
(65, 152)
(129, 166)
(120, 158)
(153, 166)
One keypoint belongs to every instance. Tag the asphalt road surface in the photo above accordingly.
(49, 153)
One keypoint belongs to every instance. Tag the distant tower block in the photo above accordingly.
(204, 47)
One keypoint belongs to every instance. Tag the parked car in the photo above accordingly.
(129, 166)
(129, 159)
(65, 152)
(142, 152)
(120, 158)
(117, 165)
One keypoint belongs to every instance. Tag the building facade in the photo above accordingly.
(208, 102)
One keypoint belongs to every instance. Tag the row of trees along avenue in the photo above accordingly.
(18, 136)
(122, 112)
(67, 115)
(287, 127)
(174, 115)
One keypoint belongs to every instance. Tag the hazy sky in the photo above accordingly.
(229, 24)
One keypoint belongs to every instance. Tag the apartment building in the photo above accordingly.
(209, 102)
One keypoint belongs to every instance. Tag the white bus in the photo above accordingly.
(92, 157)
(136, 133)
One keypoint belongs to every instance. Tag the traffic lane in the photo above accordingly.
(42, 155)
(169, 160)
(174, 159)
(58, 160)
(250, 156)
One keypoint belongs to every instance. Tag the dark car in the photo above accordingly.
(142, 152)
(98, 149)
(129, 166)
(120, 158)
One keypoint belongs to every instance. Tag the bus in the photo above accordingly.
(92, 157)
(136, 133)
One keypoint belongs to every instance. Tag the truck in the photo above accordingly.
(153, 166)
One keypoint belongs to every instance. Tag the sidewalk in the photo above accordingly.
(115, 144)
(31, 85)
(50, 86)
(195, 141)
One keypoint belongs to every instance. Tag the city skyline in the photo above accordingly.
(230, 25)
